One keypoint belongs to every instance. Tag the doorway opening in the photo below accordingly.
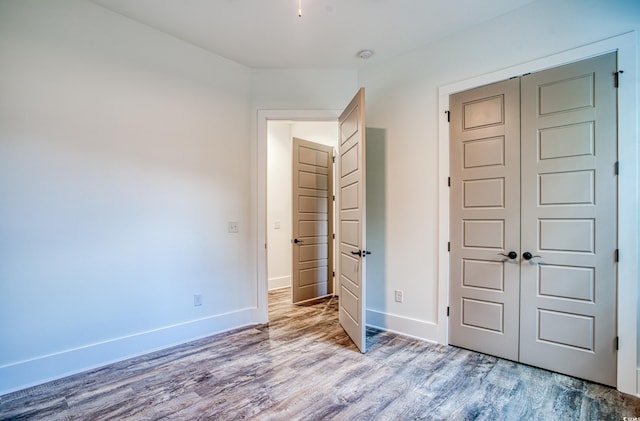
(283, 209)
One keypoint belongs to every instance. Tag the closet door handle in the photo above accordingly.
(528, 256)
(511, 255)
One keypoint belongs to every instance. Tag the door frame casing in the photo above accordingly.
(628, 183)
(261, 311)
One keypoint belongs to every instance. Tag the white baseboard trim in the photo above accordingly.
(414, 328)
(32, 372)
(279, 282)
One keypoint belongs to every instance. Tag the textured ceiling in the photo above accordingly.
(269, 33)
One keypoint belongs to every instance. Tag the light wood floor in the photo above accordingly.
(303, 367)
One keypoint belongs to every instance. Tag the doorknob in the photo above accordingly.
(361, 253)
(528, 256)
(296, 241)
(510, 255)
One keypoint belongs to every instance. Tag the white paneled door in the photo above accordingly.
(485, 229)
(533, 219)
(312, 220)
(351, 215)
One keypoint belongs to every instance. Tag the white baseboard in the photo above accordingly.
(279, 282)
(406, 326)
(24, 374)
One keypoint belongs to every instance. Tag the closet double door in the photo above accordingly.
(533, 219)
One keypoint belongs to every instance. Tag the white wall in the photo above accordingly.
(279, 204)
(402, 98)
(123, 154)
(279, 194)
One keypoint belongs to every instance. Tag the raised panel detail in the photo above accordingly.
(567, 329)
(313, 157)
(309, 180)
(567, 94)
(349, 233)
(483, 233)
(313, 252)
(313, 276)
(350, 125)
(349, 268)
(568, 188)
(310, 204)
(349, 302)
(484, 112)
(566, 141)
(349, 197)
(349, 161)
(488, 193)
(577, 235)
(483, 152)
(312, 228)
(483, 314)
(574, 283)
(483, 274)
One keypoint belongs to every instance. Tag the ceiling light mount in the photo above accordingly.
(364, 54)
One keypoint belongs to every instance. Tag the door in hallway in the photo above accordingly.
(312, 221)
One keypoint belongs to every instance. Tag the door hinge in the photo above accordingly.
(449, 246)
(448, 181)
(448, 113)
(334, 273)
(616, 168)
(333, 158)
(334, 235)
(448, 311)
(616, 255)
(616, 78)
(334, 198)
(617, 343)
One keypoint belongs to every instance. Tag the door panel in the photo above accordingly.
(569, 219)
(351, 213)
(312, 221)
(485, 215)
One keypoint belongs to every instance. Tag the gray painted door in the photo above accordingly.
(553, 204)
(312, 221)
(351, 214)
(485, 219)
(569, 150)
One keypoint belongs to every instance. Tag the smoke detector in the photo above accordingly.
(364, 54)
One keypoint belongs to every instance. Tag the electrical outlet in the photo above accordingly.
(233, 227)
(197, 300)
(399, 295)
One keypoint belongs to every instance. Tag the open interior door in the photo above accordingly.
(351, 216)
(312, 220)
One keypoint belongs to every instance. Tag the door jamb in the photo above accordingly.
(262, 309)
(628, 375)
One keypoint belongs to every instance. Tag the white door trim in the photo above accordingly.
(262, 311)
(628, 183)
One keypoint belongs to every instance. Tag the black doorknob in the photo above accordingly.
(527, 256)
(510, 255)
(296, 241)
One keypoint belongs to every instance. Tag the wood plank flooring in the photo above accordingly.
(303, 367)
